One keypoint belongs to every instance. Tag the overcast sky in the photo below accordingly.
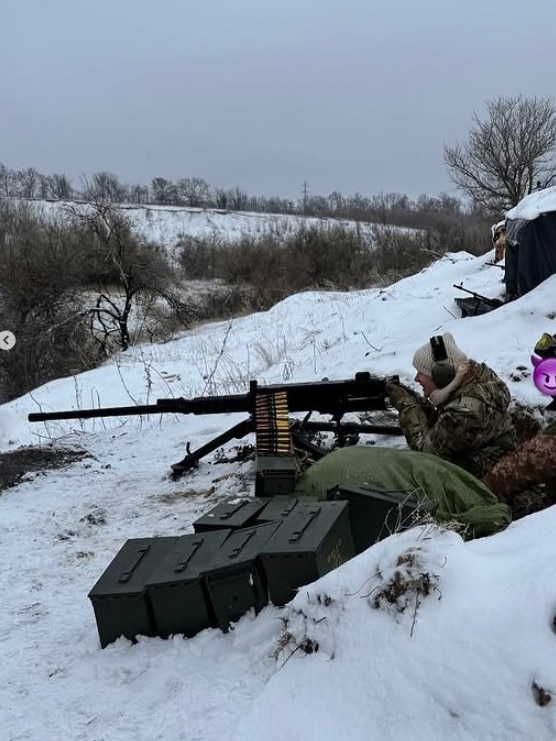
(348, 95)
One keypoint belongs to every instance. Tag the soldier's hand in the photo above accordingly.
(396, 392)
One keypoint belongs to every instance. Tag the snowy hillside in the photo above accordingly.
(165, 224)
(465, 663)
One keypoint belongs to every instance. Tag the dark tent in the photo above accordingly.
(530, 242)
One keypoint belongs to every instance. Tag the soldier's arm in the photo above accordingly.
(415, 414)
(456, 429)
(534, 462)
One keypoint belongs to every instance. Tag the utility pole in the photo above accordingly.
(305, 197)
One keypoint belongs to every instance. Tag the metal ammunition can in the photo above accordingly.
(119, 598)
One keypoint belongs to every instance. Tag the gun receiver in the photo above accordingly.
(363, 393)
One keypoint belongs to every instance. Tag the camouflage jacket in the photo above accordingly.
(471, 428)
(532, 463)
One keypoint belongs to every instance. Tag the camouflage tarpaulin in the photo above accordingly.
(460, 496)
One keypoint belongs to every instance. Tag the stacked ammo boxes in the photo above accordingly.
(240, 554)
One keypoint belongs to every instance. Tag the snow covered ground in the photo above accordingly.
(166, 224)
(475, 660)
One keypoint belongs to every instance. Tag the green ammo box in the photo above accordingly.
(375, 515)
(231, 514)
(275, 475)
(119, 598)
(235, 581)
(314, 539)
(276, 508)
(176, 589)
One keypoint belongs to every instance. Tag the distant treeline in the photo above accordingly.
(396, 209)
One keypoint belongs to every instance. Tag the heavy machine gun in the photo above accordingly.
(268, 408)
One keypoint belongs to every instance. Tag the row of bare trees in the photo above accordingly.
(509, 152)
(395, 208)
(30, 183)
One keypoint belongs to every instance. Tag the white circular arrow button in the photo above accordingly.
(7, 340)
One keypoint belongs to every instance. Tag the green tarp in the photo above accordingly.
(460, 496)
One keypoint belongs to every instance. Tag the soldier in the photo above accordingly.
(526, 478)
(463, 416)
(499, 240)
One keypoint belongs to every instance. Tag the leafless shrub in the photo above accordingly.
(288, 641)
(280, 263)
(225, 302)
(331, 257)
(40, 301)
(201, 257)
(69, 287)
(406, 585)
(400, 253)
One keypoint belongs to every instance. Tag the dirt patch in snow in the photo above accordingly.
(19, 465)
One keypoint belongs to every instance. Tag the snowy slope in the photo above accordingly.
(166, 224)
(461, 664)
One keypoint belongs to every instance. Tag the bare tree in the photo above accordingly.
(45, 186)
(161, 190)
(238, 199)
(28, 179)
(105, 186)
(61, 187)
(221, 198)
(358, 205)
(5, 181)
(337, 203)
(125, 268)
(507, 154)
(315, 204)
(274, 205)
(194, 191)
(139, 194)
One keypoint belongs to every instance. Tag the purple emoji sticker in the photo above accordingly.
(544, 375)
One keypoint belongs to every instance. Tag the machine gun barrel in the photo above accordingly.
(197, 405)
(363, 393)
(90, 413)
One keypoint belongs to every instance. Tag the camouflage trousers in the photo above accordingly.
(526, 478)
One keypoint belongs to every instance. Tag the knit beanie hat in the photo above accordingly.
(423, 359)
